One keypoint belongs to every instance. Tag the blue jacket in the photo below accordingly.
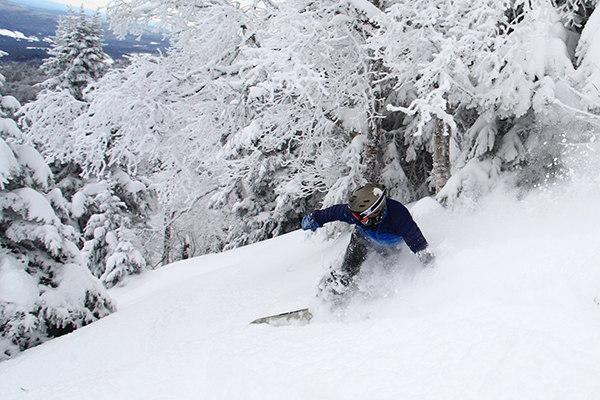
(397, 225)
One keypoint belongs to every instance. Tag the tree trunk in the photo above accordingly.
(186, 247)
(371, 160)
(167, 242)
(377, 75)
(441, 155)
(371, 152)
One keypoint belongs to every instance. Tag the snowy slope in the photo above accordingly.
(509, 312)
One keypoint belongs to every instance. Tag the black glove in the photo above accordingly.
(309, 223)
(426, 257)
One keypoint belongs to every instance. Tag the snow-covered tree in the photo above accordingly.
(261, 110)
(575, 13)
(49, 121)
(45, 288)
(587, 56)
(97, 202)
(258, 114)
(476, 77)
(307, 100)
(109, 211)
(77, 56)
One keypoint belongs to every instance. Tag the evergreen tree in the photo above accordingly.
(96, 202)
(45, 288)
(109, 212)
(78, 58)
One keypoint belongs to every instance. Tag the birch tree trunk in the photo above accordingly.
(377, 86)
(441, 155)
(372, 150)
(375, 118)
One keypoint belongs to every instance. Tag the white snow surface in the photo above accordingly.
(18, 35)
(30, 157)
(8, 162)
(510, 311)
(38, 207)
(16, 285)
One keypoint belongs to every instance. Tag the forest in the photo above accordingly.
(260, 113)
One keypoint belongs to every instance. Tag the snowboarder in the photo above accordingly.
(381, 226)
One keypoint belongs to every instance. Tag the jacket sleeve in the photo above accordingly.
(415, 239)
(338, 212)
(409, 230)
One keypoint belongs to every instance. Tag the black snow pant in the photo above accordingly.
(357, 252)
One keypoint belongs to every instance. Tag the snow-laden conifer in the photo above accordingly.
(109, 210)
(45, 288)
(77, 56)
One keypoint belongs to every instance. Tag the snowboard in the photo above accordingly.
(298, 317)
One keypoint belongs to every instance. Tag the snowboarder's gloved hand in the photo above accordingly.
(309, 223)
(426, 256)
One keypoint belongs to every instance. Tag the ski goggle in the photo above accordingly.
(372, 219)
(363, 220)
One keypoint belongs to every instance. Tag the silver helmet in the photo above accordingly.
(368, 203)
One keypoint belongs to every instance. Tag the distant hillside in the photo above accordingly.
(48, 6)
(26, 34)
